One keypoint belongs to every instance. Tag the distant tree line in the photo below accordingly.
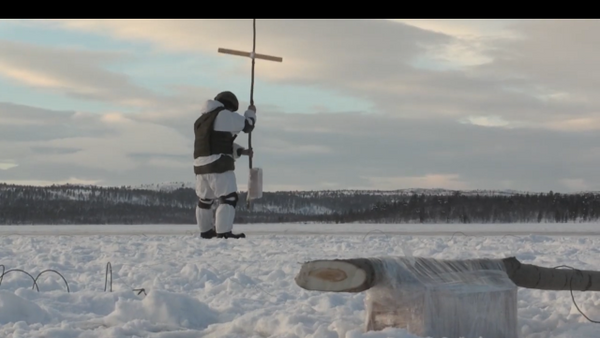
(75, 204)
(457, 208)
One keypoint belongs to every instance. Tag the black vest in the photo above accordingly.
(207, 140)
(210, 142)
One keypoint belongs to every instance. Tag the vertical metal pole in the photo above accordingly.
(254, 56)
(251, 102)
(252, 85)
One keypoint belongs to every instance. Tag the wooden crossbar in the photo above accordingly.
(249, 54)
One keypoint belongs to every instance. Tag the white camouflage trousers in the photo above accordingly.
(209, 188)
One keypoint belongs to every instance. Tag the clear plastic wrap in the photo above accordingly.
(443, 298)
(255, 183)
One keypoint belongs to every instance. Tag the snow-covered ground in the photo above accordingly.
(245, 288)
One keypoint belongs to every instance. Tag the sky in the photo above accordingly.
(355, 104)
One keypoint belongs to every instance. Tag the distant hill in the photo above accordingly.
(166, 186)
(174, 202)
(170, 186)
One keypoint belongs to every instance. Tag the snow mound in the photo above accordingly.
(15, 309)
(163, 310)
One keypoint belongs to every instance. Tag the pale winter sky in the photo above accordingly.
(368, 104)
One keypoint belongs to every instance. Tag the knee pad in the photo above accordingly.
(204, 203)
(230, 199)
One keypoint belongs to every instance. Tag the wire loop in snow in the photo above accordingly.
(4, 273)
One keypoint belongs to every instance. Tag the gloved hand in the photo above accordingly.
(247, 152)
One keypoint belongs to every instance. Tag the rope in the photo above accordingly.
(571, 290)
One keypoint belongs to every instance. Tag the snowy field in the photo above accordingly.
(245, 288)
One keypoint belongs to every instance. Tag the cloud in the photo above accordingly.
(83, 76)
(362, 152)
(576, 184)
(508, 104)
(467, 28)
(446, 181)
(551, 62)
(7, 164)
(466, 70)
(314, 51)
(73, 143)
(471, 39)
(487, 121)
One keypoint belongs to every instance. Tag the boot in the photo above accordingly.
(208, 234)
(231, 235)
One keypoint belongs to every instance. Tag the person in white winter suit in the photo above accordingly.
(214, 157)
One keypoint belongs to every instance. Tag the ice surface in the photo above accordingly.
(245, 288)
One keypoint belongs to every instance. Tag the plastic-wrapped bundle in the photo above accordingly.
(442, 298)
(255, 183)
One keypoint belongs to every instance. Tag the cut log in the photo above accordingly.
(361, 274)
(555, 279)
(338, 275)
